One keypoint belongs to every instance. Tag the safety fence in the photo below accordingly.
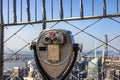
(22, 26)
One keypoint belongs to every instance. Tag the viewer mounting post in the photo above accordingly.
(1, 41)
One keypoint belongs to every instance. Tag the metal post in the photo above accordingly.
(92, 7)
(28, 10)
(1, 41)
(71, 8)
(21, 10)
(61, 9)
(52, 9)
(35, 10)
(8, 12)
(14, 11)
(117, 6)
(81, 8)
(104, 7)
(43, 14)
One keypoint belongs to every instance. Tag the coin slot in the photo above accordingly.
(42, 48)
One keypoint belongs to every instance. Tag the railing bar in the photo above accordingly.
(1, 40)
(104, 7)
(65, 19)
(35, 10)
(93, 37)
(21, 38)
(8, 12)
(1, 12)
(92, 7)
(71, 8)
(81, 8)
(21, 10)
(43, 14)
(61, 9)
(28, 10)
(102, 45)
(117, 6)
(54, 24)
(9, 49)
(52, 9)
(14, 34)
(25, 46)
(14, 11)
(22, 48)
(87, 27)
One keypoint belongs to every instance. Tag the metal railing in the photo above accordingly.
(13, 12)
(36, 11)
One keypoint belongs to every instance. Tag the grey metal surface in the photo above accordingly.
(32, 19)
(66, 54)
(1, 41)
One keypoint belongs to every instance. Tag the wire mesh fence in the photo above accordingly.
(89, 26)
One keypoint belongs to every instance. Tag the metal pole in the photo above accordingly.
(8, 12)
(35, 10)
(1, 41)
(52, 9)
(81, 9)
(28, 10)
(14, 11)
(117, 6)
(21, 10)
(104, 7)
(71, 8)
(61, 9)
(43, 15)
(92, 7)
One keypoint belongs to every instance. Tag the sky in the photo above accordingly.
(102, 27)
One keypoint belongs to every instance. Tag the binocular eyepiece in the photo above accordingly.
(54, 38)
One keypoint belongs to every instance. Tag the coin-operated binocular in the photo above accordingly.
(55, 53)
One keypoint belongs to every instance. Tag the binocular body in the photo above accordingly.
(55, 53)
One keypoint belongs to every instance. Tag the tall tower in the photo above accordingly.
(106, 47)
(104, 54)
(105, 50)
